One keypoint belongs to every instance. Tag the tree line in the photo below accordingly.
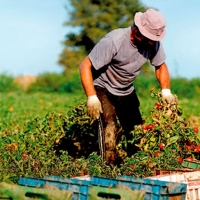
(61, 83)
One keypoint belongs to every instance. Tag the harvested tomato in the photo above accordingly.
(162, 146)
(157, 153)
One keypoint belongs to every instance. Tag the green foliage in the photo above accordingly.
(52, 82)
(7, 83)
(70, 83)
(143, 84)
(71, 59)
(186, 88)
(94, 19)
(182, 87)
(18, 108)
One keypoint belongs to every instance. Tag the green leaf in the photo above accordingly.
(152, 139)
(146, 147)
(172, 140)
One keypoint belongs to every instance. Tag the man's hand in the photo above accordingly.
(94, 107)
(168, 96)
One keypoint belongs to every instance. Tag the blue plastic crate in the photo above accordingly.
(18, 192)
(96, 192)
(63, 178)
(154, 189)
(82, 189)
(78, 187)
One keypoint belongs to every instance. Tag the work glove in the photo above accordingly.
(94, 107)
(168, 97)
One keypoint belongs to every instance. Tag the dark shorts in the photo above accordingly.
(126, 108)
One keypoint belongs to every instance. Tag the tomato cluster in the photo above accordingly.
(148, 127)
(167, 136)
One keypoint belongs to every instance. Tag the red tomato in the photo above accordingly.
(162, 146)
(144, 127)
(150, 165)
(180, 160)
(151, 127)
(8, 146)
(196, 130)
(24, 155)
(148, 127)
(14, 146)
(190, 159)
(197, 148)
(132, 166)
(157, 153)
(189, 146)
(158, 106)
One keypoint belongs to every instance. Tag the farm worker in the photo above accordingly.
(108, 72)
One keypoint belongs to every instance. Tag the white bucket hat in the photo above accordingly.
(151, 24)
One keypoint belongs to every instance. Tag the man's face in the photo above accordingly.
(140, 40)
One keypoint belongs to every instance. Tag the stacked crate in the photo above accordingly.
(192, 179)
(124, 187)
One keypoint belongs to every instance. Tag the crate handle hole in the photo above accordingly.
(109, 195)
(35, 196)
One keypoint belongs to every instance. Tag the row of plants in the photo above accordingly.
(66, 144)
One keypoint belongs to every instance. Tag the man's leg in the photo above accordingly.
(127, 109)
(109, 123)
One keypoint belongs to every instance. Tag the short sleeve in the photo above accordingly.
(102, 53)
(160, 57)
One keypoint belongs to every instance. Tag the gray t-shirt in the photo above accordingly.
(117, 62)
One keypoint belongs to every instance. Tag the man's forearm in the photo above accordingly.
(86, 77)
(163, 77)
